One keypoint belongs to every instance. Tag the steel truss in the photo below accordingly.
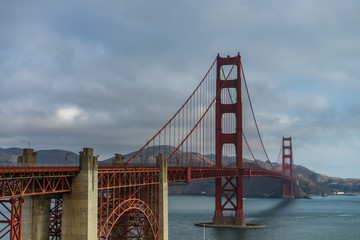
(11, 218)
(55, 219)
(128, 203)
(30, 181)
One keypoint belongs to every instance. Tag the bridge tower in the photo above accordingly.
(229, 188)
(287, 167)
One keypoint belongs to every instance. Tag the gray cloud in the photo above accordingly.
(110, 74)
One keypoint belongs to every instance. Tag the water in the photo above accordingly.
(334, 217)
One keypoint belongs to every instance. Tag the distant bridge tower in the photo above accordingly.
(287, 163)
(229, 189)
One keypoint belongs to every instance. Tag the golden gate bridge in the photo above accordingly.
(204, 139)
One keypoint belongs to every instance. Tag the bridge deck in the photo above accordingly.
(19, 181)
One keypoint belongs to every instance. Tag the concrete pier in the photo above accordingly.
(118, 160)
(29, 158)
(79, 216)
(163, 198)
(36, 209)
(36, 212)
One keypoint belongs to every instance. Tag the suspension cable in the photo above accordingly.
(279, 153)
(252, 111)
(247, 144)
(182, 107)
(207, 109)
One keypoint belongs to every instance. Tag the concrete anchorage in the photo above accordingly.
(79, 216)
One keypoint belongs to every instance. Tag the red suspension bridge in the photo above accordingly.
(128, 200)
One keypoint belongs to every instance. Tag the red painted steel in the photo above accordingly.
(55, 219)
(128, 196)
(12, 218)
(29, 181)
(287, 167)
(128, 199)
(233, 193)
(128, 202)
(116, 185)
(18, 171)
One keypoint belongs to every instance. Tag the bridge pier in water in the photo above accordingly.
(287, 164)
(229, 188)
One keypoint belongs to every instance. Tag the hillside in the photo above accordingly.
(55, 157)
(307, 181)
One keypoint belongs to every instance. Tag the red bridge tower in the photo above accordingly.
(287, 163)
(229, 188)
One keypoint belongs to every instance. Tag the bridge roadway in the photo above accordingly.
(20, 181)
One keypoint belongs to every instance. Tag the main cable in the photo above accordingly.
(252, 111)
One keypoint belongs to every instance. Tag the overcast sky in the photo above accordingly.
(109, 74)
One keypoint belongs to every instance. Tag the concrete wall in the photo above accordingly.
(29, 158)
(80, 207)
(36, 209)
(163, 198)
(36, 215)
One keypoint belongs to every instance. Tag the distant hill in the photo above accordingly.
(149, 154)
(307, 181)
(7, 157)
(55, 157)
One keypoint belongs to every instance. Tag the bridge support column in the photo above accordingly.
(163, 198)
(36, 214)
(80, 207)
(287, 167)
(29, 158)
(229, 190)
(36, 209)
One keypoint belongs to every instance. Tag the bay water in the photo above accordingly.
(333, 217)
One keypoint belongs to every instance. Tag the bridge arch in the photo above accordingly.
(140, 212)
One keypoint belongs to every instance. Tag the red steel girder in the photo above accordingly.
(12, 221)
(29, 186)
(128, 202)
(130, 205)
(248, 172)
(55, 219)
(127, 177)
(31, 171)
(112, 177)
(19, 181)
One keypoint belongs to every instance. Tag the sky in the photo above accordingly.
(109, 74)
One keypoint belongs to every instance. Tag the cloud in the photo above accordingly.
(110, 74)
(69, 115)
